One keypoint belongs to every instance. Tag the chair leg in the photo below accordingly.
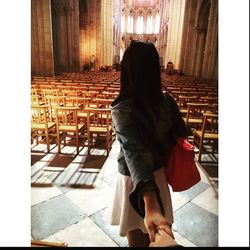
(64, 137)
(77, 143)
(58, 142)
(47, 141)
(89, 139)
(107, 145)
(200, 150)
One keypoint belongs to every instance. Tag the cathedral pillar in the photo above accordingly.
(209, 69)
(200, 45)
(106, 33)
(41, 39)
(65, 19)
(175, 28)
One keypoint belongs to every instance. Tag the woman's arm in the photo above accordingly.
(138, 157)
(154, 219)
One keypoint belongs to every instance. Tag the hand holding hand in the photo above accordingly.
(163, 238)
(154, 219)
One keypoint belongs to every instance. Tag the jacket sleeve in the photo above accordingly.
(179, 127)
(138, 157)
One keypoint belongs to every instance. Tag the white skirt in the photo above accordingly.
(121, 212)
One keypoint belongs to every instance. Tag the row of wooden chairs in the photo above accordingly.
(42, 98)
(198, 103)
(68, 126)
(207, 135)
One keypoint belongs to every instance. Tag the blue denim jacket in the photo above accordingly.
(139, 155)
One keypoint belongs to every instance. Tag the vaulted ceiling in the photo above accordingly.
(141, 5)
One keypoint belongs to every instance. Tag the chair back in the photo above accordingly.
(39, 114)
(54, 102)
(210, 124)
(195, 113)
(67, 116)
(99, 124)
(98, 117)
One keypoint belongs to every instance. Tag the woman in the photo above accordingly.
(145, 128)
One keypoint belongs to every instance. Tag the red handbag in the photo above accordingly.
(181, 170)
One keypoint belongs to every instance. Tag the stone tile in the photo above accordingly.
(91, 200)
(179, 199)
(41, 148)
(211, 169)
(204, 177)
(83, 234)
(183, 241)
(94, 161)
(35, 157)
(69, 150)
(197, 225)
(113, 154)
(98, 173)
(195, 190)
(54, 215)
(207, 200)
(102, 186)
(97, 151)
(41, 179)
(66, 189)
(110, 179)
(49, 157)
(61, 160)
(109, 167)
(83, 178)
(112, 231)
(65, 177)
(41, 194)
(38, 166)
(80, 159)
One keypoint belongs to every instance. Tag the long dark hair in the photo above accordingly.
(141, 76)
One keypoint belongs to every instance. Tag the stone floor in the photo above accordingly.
(71, 194)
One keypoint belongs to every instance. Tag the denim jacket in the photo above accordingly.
(139, 153)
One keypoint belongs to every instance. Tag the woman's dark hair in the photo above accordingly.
(141, 75)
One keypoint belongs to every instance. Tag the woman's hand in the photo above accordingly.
(154, 220)
(163, 239)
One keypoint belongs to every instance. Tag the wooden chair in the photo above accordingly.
(82, 103)
(208, 135)
(194, 115)
(99, 125)
(42, 243)
(183, 101)
(67, 126)
(41, 127)
(54, 102)
(34, 98)
(101, 103)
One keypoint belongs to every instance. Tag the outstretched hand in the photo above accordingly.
(163, 239)
(155, 221)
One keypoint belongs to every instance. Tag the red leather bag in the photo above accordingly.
(181, 170)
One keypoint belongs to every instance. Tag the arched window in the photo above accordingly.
(130, 24)
(149, 25)
(157, 24)
(139, 28)
(123, 24)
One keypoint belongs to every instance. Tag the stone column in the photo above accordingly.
(209, 68)
(200, 45)
(72, 25)
(106, 33)
(175, 28)
(42, 63)
(66, 35)
(59, 36)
